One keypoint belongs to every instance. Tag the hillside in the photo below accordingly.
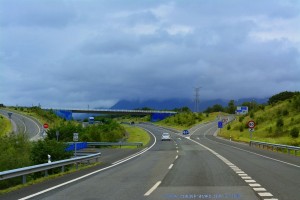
(274, 123)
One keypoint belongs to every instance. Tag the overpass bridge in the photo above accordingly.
(156, 115)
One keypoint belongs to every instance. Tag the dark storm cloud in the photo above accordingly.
(79, 53)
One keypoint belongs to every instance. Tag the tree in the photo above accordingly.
(231, 107)
(217, 108)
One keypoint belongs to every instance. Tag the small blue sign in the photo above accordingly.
(220, 124)
(185, 132)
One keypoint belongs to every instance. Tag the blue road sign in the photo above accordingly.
(220, 124)
(185, 132)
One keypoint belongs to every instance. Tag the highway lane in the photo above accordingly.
(25, 124)
(173, 169)
(278, 173)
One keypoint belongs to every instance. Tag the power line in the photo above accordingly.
(197, 99)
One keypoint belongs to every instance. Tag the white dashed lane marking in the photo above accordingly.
(152, 189)
(252, 183)
(259, 189)
(265, 194)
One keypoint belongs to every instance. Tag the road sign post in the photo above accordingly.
(75, 139)
(57, 135)
(251, 126)
(220, 126)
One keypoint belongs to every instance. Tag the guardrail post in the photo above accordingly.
(63, 168)
(295, 152)
(24, 179)
(76, 165)
(46, 172)
(288, 150)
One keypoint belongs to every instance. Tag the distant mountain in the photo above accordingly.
(170, 104)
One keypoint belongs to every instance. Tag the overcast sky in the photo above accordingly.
(74, 53)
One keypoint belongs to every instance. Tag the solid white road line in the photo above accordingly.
(254, 153)
(152, 189)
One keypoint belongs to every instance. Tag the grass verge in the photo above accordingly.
(5, 126)
(136, 134)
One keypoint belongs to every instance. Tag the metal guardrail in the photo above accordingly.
(138, 144)
(277, 146)
(45, 167)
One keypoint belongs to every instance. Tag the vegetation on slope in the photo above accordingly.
(278, 122)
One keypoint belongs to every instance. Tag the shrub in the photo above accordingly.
(241, 128)
(294, 132)
(279, 123)
(228, 127)
(270, 129)
(285, 112)
(241, 118)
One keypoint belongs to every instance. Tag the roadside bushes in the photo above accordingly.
(184, 119)
(14, 153)
(294, 132)
(108, 131)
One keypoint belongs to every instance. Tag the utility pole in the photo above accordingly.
(197, 99)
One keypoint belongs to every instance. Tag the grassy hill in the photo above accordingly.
(186, 120)
(274, 123)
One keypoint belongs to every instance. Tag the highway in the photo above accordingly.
(199, 167)
(24, 124)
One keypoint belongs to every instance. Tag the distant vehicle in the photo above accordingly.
(91, 120)
(165, 136)
(185, 132)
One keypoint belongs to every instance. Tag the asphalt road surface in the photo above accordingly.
(24, 124)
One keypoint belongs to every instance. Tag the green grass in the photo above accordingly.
(50, 177)
(5, 126)
(136, 134)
